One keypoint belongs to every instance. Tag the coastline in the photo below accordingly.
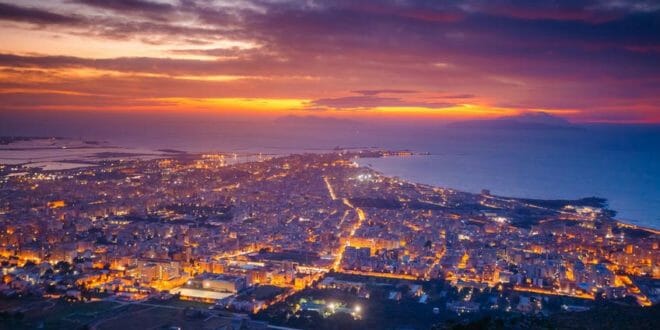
(458, 178)
(98, 152)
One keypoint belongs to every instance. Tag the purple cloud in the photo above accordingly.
(373, 101)
(34, 15)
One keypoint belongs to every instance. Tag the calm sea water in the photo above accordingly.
(620, 163)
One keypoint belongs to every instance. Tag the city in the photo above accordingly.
(330, 164)
(249, 238)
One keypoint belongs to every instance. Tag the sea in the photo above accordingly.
(618, 162)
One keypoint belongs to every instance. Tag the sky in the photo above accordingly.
(415, 60)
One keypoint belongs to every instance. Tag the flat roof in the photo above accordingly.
(199, 293)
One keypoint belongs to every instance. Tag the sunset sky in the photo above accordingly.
(587, 61)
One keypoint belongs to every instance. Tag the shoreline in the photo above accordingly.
(642, 225)
(362, 156)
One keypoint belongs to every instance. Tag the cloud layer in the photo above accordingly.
(589, 60)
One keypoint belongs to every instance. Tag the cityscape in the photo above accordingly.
(329, 164)
(307, 232)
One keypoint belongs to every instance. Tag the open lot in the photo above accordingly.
(57, 314)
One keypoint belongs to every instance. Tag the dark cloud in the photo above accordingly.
(459, 96)
(373, 92)
(130, 5)
(372, 101)
(232, 52)
(34, 15)
(161, 33)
